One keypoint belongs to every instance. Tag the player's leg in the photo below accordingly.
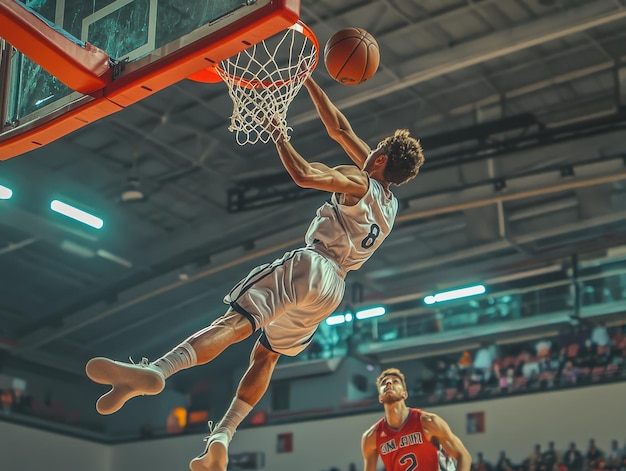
(130, 380)
(251, 388)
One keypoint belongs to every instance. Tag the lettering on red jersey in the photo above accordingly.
(414, 438)
(399, 448)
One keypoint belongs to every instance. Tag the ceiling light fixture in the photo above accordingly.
(337, 319)
(5, 193)
(455, 294)
(371, 312)
(132, 191)
(76, 214)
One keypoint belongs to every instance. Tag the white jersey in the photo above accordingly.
(349, 235)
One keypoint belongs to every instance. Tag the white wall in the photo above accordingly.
(27, 449)
(514, 424)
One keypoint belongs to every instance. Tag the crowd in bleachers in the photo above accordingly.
(17, 400)
(593, 458)
(578, 356)
(581, 355)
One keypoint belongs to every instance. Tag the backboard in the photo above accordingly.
(152, 43)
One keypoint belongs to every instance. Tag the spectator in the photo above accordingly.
(22, 401)
(593, 456)
(600, 335)
(542, 348)
(573, 459)
(545, 364)
(503, 464)
(540, 464)
(465, 365)
(614, 457)
(507, 381)
(441, 375)
(466, 360)
(454, 377)
(6, 401)
(529, 367)
(530, 462)
(558, 363)
(569, 374)
(483, 363)
(586, 355)
(550, 457)
(481, 464)
(618, 339)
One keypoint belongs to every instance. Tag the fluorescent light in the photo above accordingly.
(77, 249)
(455, 294)
(336, 319)
(77, 214)
(371, 312)
(114, 258)
(5, 193)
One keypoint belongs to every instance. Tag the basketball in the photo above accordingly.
(351, 56)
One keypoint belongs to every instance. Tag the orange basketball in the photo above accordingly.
(351, 56)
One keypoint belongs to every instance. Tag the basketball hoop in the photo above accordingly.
(264, 79)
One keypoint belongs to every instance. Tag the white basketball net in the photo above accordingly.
(263, 80)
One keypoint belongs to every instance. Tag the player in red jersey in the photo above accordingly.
(409, 439)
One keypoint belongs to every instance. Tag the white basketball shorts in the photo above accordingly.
(289, 297)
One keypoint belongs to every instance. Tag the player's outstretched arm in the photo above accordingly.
(346, 179)
(435, 426)
(337, 125)
(368, 448)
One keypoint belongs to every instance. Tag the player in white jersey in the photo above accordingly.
(288, 298)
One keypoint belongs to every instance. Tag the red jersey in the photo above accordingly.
(406, 449)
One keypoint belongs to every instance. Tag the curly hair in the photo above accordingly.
(404, 157)
(391, 372)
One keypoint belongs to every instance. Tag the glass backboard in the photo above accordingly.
(154, 43)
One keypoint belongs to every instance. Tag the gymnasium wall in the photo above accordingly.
(28, 449)
(513, 424)
(76, 394)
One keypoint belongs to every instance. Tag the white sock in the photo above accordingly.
(235, 414)
(182, 357)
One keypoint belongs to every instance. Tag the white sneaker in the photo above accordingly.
(128, 380)
(215, 454)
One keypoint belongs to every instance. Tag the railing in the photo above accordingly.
(591, 295)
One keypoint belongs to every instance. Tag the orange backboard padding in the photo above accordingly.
(84, 69)
(207, 51)
(49, 128)
(149, 75)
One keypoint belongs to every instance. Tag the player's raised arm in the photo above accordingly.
(343, 179)
(337, 125)
(435, 426)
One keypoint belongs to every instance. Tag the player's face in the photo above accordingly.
(391, 390)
